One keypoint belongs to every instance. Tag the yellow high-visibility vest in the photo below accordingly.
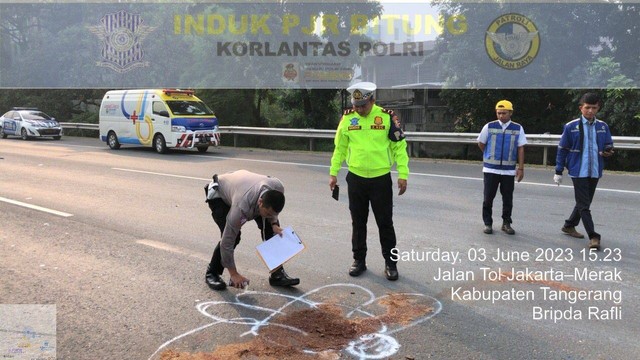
(371, 144)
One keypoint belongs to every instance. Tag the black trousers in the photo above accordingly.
(491, 184)
(219, 211)
(583, 190)
(378, 192)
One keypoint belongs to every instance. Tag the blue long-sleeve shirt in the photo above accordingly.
(577, 147)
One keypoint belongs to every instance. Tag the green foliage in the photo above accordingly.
(582, 45)
(231, 106)
(66, 105)
(85, 118)
(538, 110)
(316, 109)
(604, 56)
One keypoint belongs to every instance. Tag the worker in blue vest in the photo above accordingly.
(502, 143)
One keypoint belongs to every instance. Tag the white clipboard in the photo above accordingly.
(279, 249)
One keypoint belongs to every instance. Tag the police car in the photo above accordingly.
(29, 123)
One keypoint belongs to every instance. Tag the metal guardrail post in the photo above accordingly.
(544, 156)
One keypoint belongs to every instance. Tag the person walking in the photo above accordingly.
(370, 139)
(235, 198)
(584, 145)
(502, 144)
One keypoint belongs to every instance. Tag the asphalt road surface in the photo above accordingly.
(119, 242)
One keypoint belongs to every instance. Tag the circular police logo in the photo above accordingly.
(512, 41)
(122, 39)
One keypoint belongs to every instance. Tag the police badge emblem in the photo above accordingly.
(354, 125)
(377, 123)
(512, 41)
(290, 72)
(122, 34)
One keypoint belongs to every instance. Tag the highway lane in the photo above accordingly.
(126, 269)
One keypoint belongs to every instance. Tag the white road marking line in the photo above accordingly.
(326, 166)
(160, 174)
(35, 207)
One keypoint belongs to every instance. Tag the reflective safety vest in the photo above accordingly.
(501, 150)
(371, 144)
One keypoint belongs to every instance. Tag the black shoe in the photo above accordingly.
(488, 229)
(506, 227)
(357, 268)
(391, 272)
(280, 278)
(215, 281)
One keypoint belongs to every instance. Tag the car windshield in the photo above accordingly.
(35, 115)
(182, 107)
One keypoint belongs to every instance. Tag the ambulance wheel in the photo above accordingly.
(23, 134)
(112, 141)
(160, 144)
(203, 149)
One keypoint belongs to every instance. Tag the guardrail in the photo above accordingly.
(81, 126)
(541, 140)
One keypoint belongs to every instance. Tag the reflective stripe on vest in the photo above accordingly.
(496, 157)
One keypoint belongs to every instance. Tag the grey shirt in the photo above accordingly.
(241, 190)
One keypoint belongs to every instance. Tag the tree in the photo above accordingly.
(572, 35)
(539, 111)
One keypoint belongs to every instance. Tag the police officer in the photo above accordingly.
(502, 143)
(371, 140)
(238, 197)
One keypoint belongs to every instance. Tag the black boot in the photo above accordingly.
(357, 268)
(214, 280)
(280, 278)
(391, 272)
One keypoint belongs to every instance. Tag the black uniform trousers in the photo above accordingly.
(219, 211)
(583, 190)
(379, 192)
(491, 183)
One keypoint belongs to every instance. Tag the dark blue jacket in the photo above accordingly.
(570, 148)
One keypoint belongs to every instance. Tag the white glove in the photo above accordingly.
(557, 179)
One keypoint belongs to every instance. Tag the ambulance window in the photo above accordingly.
(189, 108)
(159, 109)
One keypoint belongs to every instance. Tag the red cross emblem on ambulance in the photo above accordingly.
(134, 117)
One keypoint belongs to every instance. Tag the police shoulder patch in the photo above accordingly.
(395, 131)
(387, 111)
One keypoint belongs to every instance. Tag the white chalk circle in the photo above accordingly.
(373, 346)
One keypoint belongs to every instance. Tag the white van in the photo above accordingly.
(162, 118)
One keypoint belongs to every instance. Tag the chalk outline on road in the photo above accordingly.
(379, 345)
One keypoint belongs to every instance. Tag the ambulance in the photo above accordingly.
(162, 118)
